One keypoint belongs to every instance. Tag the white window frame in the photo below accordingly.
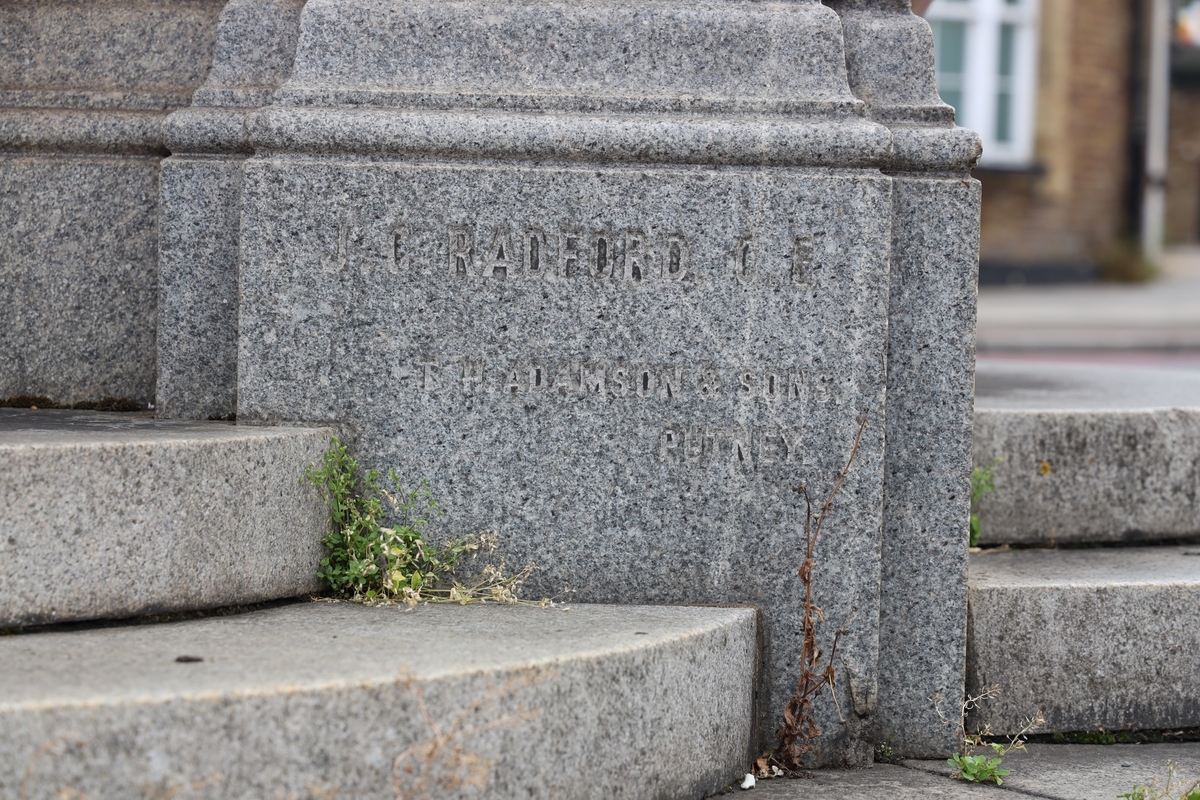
(981, 80)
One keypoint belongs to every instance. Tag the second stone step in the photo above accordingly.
(116, 515)
(1087, 453)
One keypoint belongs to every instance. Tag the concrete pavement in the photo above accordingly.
(1049, 771)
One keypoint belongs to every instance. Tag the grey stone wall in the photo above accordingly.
(570, 358)
(931, 360)
(619, 329)
(201, 209)
(613, 277)
(84, 88)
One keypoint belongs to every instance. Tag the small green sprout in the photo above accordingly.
(985, 768)
(1169, 792)
(979, 769)
(983, 480)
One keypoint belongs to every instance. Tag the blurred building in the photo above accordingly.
(1057, 89)
(1183, 153)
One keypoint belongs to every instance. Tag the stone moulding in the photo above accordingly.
(931, 150)
(209, 131)
(99, 76)
(82, 131)
(757, 141)
(659, 139)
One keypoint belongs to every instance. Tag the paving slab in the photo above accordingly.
(114, 515)
(880, 781)
(1090, 453)
(1093, 638)
(317, 699)
(1089, 772)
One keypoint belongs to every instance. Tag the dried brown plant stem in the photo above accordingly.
(440, 762)
(799, 723)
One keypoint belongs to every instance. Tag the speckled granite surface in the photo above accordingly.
(200, 200)
(931, 341)
(114, 515)
(1089, 453)
(1094, 639)
(321, 699)
(84, 89)
(612, 276)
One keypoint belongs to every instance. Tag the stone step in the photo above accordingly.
(1090, 453)
(1093, 638)
(114, 515)
(316, 700)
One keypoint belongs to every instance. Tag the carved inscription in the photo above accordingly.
(631, 256)
(532, 253)
(474, 376)
(746, 447)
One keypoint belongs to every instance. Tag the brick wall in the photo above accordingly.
(1183, 166)
(1073, 207)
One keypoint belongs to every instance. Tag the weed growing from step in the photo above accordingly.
(978, 769)
(370, 561)
(885, 753)
(1091, 737)
(983, 480)
(984, 767)
(816, 672)
(1171, 791)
